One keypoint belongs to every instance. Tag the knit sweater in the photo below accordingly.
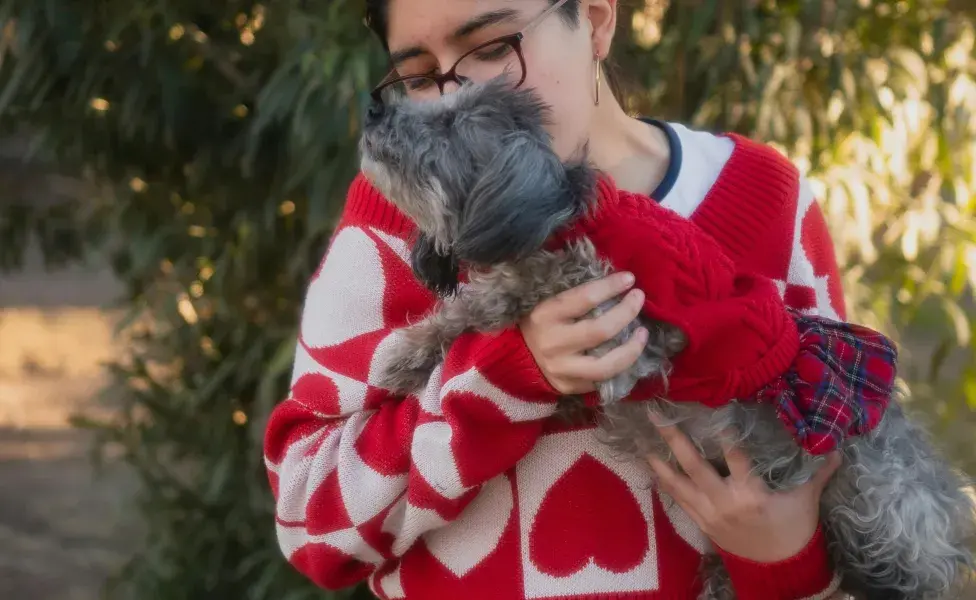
(470, 489)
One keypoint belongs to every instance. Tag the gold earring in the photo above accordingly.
(597, 78)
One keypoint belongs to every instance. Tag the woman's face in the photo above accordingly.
(430, 35)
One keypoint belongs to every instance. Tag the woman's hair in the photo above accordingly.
(376, 16)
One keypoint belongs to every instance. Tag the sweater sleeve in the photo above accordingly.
(806, 576)
(359, 473)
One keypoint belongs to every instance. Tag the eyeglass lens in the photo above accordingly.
(481, 64)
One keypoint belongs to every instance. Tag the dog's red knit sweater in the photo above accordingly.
(470, 490)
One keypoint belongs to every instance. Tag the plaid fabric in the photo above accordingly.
(839, 385)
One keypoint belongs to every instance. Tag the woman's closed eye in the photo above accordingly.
(419, 83)
(491, 52)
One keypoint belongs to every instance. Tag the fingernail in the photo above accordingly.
(627, 279)
(637, 295)
(642, 334)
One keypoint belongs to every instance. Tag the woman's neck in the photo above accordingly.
(634, 153)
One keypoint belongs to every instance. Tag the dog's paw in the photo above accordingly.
(615, 389)
(408, 367)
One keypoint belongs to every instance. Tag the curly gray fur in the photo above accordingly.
(896, 513)
(897, 517)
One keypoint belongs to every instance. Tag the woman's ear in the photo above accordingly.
(602, 15)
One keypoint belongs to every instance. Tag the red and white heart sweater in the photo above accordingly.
(470, 490)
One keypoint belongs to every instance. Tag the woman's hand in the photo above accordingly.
(739, 512)
(557, 334)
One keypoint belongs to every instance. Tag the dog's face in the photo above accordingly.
(474, 170)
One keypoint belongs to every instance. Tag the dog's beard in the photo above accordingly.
(376, 173)
(426, 206)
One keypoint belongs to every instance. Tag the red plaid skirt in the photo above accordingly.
(839, 386)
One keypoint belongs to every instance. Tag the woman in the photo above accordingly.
(472, 490)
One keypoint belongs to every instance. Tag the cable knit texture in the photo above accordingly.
(744, 342)
(740, 335)
(470, 489)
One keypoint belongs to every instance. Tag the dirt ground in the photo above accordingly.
(60, 533)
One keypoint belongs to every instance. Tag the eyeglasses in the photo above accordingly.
(501, 56)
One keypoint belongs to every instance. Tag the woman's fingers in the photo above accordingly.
(558, 336)
(738, 462)
(611, 364)
(590, 333)
(822, 477)
(576, 303)
(701, 473)
(679, 487)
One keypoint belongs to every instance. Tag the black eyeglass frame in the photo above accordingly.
(514, 40)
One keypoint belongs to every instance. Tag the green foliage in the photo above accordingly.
(220, 138)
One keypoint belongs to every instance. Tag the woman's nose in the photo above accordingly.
(453, 84)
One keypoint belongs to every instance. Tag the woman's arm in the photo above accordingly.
(360, 473)
(772, 544)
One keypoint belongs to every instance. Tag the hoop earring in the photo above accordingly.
(597, 78)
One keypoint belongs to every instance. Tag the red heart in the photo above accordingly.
(589, 514)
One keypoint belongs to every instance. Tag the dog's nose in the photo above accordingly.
(374, 112)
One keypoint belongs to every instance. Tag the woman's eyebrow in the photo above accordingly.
(484, 20)
(494, 17)
(406, 54)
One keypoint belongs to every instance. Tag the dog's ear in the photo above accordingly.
(580, 184)
(522, 197)
(438, 272)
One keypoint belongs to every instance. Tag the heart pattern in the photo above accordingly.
(574, 523)
(586, 520)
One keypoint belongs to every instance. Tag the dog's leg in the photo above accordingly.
(899, 521)
(420, 348)
(491, 301)
(663, 342)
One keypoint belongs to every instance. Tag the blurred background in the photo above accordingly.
(170, 171)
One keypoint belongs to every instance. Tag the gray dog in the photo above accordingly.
(476, 173)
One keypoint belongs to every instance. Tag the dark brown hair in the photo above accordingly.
(376, 16)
